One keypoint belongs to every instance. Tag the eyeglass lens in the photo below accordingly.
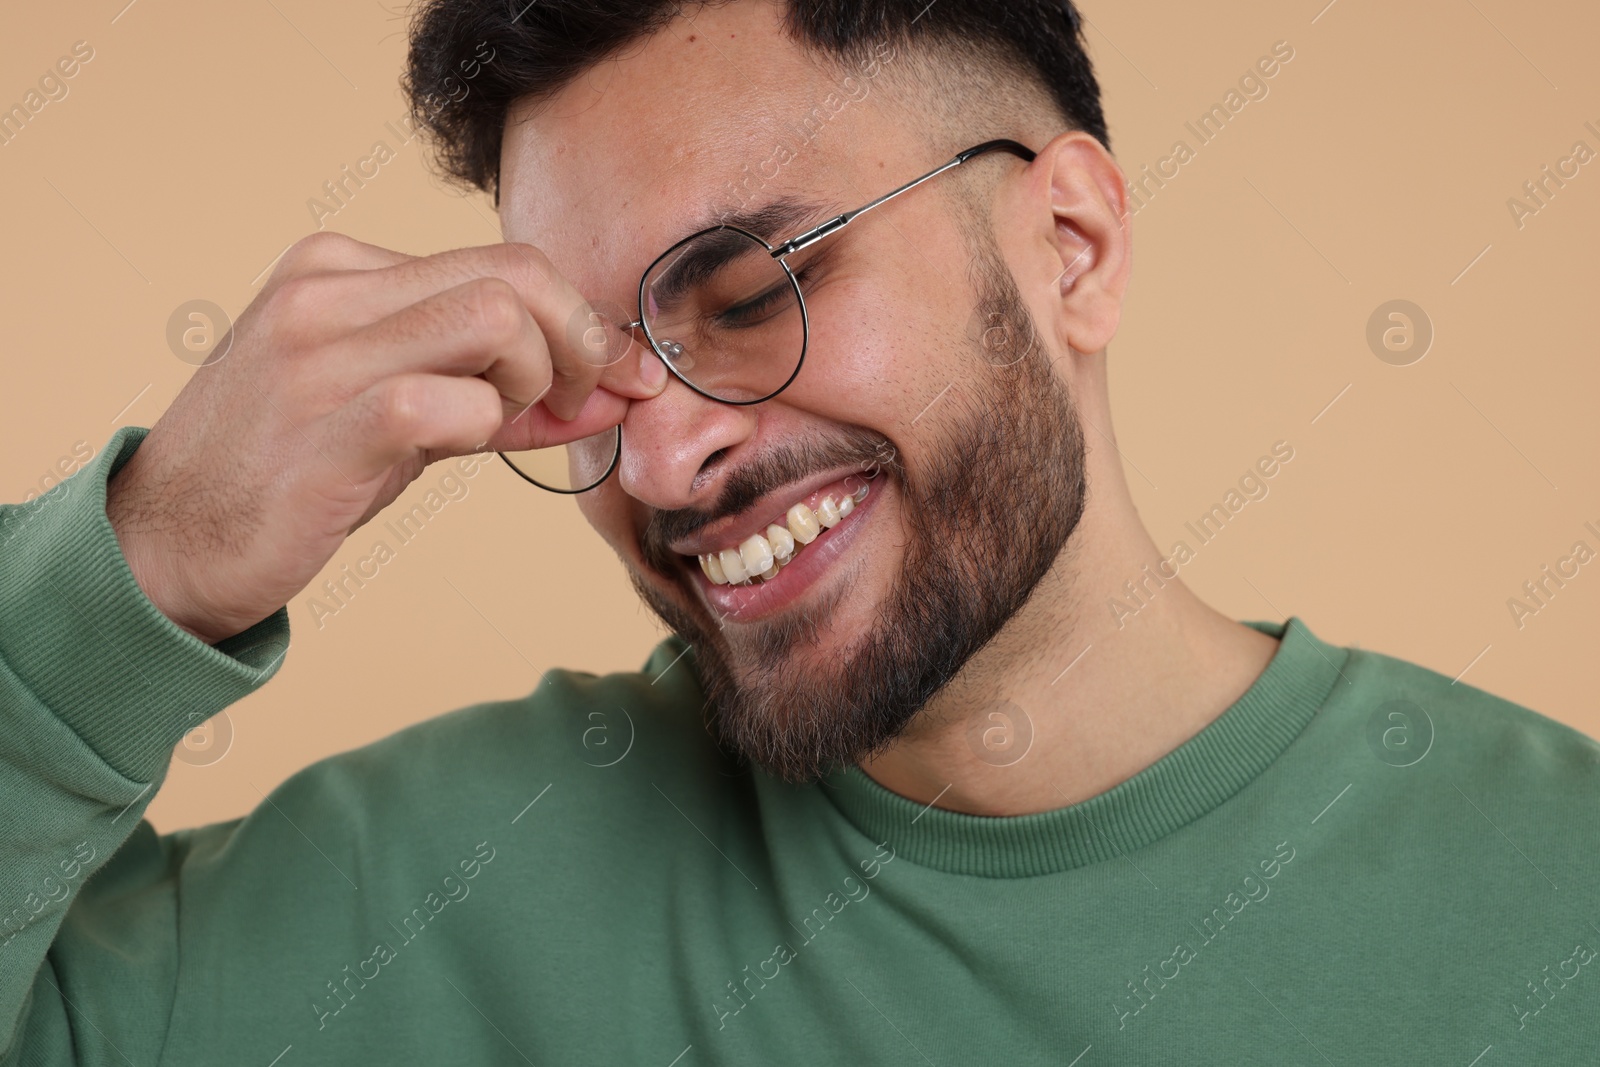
(726, 315)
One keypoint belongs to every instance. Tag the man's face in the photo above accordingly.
(970, 452)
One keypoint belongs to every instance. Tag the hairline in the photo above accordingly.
(921, 92)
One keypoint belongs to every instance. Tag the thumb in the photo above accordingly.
(639, 374)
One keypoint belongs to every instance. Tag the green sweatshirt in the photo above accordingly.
(1358, 863)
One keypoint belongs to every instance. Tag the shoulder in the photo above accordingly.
(1411, 712)
(593, 750)
(567, 714)
(570, 808)
(1423, 787)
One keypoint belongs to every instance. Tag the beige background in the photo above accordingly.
(1378, 167)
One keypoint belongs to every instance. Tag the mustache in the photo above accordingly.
(760, 475)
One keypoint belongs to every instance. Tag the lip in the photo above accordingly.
(771, 509)
(751, 603)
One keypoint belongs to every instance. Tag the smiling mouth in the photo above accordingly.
(760, 557)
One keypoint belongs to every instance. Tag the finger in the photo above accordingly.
(326, 251)
(558, 309)
(638, 373)
(405, 414)
(477, 328)
(535, 427)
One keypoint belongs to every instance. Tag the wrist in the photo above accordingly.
(150, 556)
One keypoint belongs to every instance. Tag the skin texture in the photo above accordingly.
(353, 370)
(358, 366)
(1061, 228)
(983, 514)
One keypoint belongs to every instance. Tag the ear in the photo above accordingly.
(1078, 200)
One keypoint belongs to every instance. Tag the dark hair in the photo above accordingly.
(471, 59)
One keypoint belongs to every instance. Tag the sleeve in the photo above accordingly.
(96, 688)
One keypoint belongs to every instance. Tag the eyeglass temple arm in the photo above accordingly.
(811, 237)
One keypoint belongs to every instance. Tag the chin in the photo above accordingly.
(814, 640)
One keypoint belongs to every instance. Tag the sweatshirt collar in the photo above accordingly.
(1177, 789)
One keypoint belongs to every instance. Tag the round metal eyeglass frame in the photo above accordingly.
(781, 253)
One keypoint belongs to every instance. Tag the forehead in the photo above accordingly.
(715, 114)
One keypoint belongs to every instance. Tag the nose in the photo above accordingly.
(674, 444)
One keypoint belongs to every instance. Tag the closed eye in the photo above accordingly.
(755, 311)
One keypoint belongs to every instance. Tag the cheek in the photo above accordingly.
(872, 361)
(607, 510)
(848, 359)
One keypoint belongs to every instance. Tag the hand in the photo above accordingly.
(353, 370)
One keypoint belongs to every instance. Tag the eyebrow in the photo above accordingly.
(770, 221)
(699, 260)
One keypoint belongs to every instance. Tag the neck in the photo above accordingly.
(1073, 697)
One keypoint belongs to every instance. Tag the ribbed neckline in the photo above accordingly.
(1177, 789)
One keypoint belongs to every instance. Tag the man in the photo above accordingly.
(902, 789)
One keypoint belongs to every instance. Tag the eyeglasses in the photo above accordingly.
(726, 312)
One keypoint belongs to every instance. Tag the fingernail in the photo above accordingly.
(652, 371)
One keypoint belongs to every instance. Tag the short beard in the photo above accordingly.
(989, 512)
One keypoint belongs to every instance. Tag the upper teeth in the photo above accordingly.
(782, 542)
(763, 556)
(757, 553)
(803, 524)
(828, 512)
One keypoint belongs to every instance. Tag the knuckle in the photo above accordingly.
(316, 251)
(487, 409)
(288, 317)
(400, 406)
(495, 310)
(567, 372)
(294, 301)
(525, 267)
